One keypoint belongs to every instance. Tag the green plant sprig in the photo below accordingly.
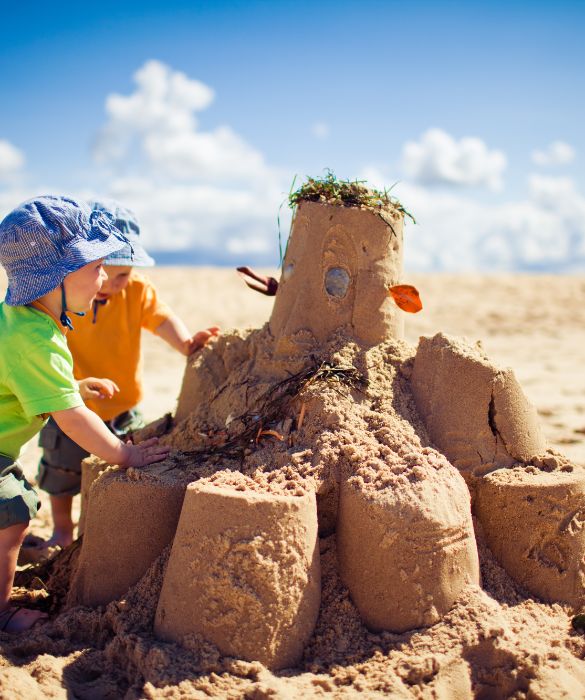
(348, 193)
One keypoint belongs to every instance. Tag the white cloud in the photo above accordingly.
(164, 101)
(11, 162)
(206, 191)
(556, 153)
(544, 231)
(247, 245)
(202, 217)
(552, 191)
(218, 155)
(155, 128)
(320, 130)
(439, 159)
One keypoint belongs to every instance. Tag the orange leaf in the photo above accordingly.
(406, 297)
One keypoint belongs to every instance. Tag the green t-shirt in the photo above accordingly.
(36, 375)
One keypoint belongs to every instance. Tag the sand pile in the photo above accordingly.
(312, 532)
(496, 642)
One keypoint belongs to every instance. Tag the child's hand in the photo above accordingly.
(87, 429)
(93, 388)
(144, 453)
(199, 340)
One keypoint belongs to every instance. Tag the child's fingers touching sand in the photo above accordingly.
(144, 453)
(201, 338)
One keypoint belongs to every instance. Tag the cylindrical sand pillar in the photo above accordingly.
(406, 554)
(91, 468)
(340, 263)
(475, 412)
(534, 524)
(244, 573)
(127, 525)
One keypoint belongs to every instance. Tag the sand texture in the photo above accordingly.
(253, 584)
(136, 519)
(374, 459)
(347, 244)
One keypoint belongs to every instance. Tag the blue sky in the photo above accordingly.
(275, 89)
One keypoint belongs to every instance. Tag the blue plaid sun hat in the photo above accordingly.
(133, 253)
(46, 238)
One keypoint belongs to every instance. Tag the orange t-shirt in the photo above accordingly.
(109, 348)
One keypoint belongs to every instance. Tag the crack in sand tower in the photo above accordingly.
(274, 445)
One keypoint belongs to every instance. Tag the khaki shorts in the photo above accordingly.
(19, 502)
(60, 465)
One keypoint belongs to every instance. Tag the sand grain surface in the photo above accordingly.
(497, 642)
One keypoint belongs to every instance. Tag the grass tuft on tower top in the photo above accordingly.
(347, 193)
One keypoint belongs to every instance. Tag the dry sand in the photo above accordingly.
(495, 643)
(534, 324)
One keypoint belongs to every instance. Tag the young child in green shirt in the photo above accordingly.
(52, 249)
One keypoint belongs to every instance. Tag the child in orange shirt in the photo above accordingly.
(106, 349)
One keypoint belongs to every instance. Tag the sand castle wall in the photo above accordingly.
(208, 370)
(91, 468)
(338, 266)
(406, 555)
(475, 413)
(534, 522)
(529, 502)
(244, 573)
(127, 525)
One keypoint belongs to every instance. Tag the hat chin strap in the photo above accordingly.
(65, 320)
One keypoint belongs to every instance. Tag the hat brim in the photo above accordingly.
(139, 258)
(41, 281)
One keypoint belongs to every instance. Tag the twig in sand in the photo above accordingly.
(269, 433)
(274, 403)
(301, 416)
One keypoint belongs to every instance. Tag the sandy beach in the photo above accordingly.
(331, 474)
(533, 324)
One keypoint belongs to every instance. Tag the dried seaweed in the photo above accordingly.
(274, 405)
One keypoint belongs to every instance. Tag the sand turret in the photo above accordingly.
(528, 500)
(324, 421)
(339, 264)
(247, 556)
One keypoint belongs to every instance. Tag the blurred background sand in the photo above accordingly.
(532, 323)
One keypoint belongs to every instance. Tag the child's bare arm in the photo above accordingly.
(86, 429)
(175, 333)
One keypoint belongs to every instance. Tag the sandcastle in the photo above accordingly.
(324, 421)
